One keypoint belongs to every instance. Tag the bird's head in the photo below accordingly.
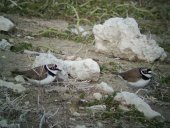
(147, 72)
(53, 68)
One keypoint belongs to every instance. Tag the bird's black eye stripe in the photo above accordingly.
(54, 67)
(146, 71)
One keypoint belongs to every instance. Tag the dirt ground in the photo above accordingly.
(59, 101)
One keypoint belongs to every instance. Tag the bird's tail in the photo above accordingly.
(16, 72)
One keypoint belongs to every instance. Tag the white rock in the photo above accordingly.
(80, 69)
(3, 123)
(5, 45)
(80, 30)
(105, 87)
(100, 125)
(29, 37)
(97, 108)
(127, 98)
(15, 87)
(86, 69)
(20, 79)
(124, 108)
(5, 24)
(80, 126)
(123, 39)
(4, 57)
(97, 96)
(76, 114)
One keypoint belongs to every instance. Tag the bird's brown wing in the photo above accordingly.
(131, 75)
(37, 73)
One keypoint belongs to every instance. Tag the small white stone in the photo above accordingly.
(19, 79)
(100, 125)
(80, 126)
(18, 35)
(3, 123)
(27, 103)
(105, 87)
(97, 96)
(124, 108)
(5, 45)
(5, 24)
(29, 37)
(97, 108)
(4, 57)
(80, 30)
(76, 114)
(72, 119)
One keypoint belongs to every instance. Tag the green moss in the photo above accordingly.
(166, 79)
(50, 32)
(93, 10)
(94, 102)
(108, 101)
(21, 46)
(162, 94)
(110, 67)
(166, 46)
(82, 95)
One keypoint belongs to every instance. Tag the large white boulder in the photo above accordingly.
(127, 98)
(123, 39)
(86, 69)
(5, 24)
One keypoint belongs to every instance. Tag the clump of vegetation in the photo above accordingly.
(166, 46)
(114, 113)
(90, 11)
(166, 79)
(152, 16)
(110, 67)
(21, 47)
(50, 32)
(108, 101)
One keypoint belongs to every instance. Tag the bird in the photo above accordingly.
(136, 77)
(41, 75)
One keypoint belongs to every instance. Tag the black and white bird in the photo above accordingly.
(137, 77)
(41, 75)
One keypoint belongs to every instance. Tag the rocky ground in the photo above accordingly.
(59, 106)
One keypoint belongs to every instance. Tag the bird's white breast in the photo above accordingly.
(139, 83)
(45, 81)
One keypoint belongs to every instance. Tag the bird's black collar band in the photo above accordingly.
(49, 72)
(143, 76)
